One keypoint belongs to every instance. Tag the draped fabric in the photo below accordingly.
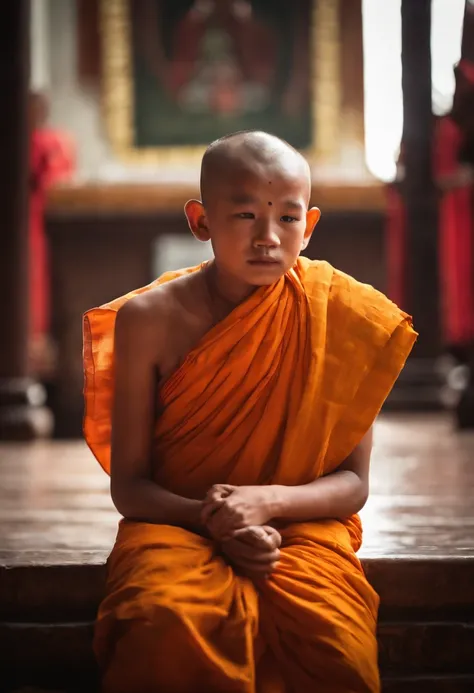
(281, 391)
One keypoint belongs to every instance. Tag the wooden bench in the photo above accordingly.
(57, 525)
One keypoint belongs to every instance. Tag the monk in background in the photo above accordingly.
(232, 403)
(52, 161)
(453, 171)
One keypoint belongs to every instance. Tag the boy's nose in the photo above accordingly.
(266, 237)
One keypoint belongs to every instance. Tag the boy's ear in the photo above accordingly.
(197, 220)
(313, 215)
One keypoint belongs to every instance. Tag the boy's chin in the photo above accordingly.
(266, 276)
(257, 275)
(265, 281)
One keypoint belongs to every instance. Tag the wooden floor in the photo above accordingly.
(55, 507)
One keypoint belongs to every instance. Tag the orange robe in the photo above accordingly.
(281, 391)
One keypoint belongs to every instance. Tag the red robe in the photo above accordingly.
(52, 159)
(455, 242)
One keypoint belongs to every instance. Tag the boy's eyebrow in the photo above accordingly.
(292, 204)
(243, 198)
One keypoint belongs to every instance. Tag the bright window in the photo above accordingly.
(383, 74)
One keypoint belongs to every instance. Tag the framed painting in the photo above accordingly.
(177, 74)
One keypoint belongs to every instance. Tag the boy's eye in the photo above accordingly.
(245, 215)
(288, 220)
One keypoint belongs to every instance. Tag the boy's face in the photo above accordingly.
(258, 221)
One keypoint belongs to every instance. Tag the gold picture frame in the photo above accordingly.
(117, 89)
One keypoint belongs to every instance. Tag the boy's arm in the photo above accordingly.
(337, 495)
(134, 493)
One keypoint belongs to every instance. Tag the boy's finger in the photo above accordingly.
(250, 535)
(209, 509)
(214, 497)
(228, 488)
(240, 550)
(273, 536)
(254, 541)
(264, 559)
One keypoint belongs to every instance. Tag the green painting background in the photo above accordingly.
(158, 121)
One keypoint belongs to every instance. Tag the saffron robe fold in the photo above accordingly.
(281, 391)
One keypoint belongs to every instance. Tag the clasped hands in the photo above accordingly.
(237, 517)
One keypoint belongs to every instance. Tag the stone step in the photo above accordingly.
(426, 625)
(410, 588)
(62, 592)
(438, 684)
(426, 647)
(429, 684)
(54, 654)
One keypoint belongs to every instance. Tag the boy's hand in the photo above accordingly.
(227, 508)
(254, 551)
(215, 495)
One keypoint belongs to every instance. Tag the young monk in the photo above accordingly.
(232, 404)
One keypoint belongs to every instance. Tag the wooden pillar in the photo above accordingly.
(352, 73)
(419, 386)
(467, 48)
(22, 415)
(419, 189)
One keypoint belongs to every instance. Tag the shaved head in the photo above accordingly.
(253, 152)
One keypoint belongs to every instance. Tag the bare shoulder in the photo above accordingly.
(162, 301)
(146, 319)
(139, 327)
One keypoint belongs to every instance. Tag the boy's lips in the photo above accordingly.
(263, 260)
